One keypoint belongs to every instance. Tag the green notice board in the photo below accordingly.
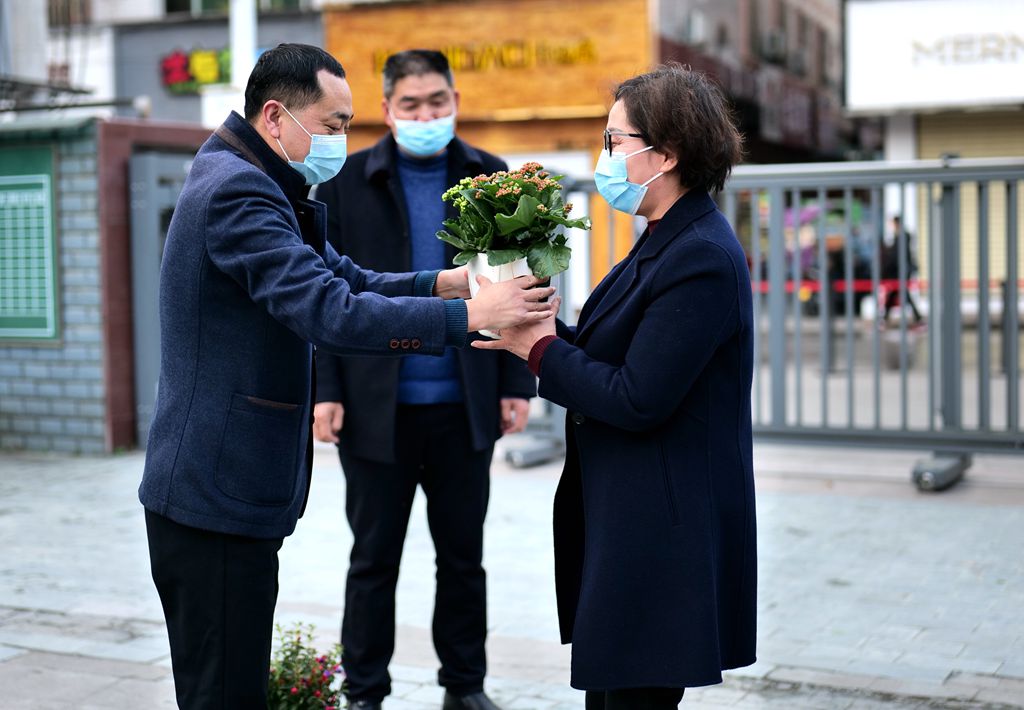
(28, 269)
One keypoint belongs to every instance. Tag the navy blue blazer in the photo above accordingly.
(367, 220)
(247, 284)
(655, 541)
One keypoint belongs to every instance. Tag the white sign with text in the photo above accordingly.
(929, 54)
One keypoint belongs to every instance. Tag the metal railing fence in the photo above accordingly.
(841, 357)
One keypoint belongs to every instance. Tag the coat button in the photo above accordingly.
(578, 418)
(405, 343)
(394, 343)
(416, 343)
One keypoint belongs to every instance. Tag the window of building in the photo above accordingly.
(65, 13)
(199, 7)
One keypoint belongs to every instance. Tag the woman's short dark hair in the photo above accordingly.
(288, 73)
(682, 112)
(414, 62)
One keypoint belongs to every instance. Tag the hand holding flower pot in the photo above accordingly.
(510, 224)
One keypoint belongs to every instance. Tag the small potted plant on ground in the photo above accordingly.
(510, 224)
(300, 678)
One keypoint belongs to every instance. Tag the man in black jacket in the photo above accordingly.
(428, 421)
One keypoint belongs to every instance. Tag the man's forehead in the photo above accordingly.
(421, 86)
(337, 96)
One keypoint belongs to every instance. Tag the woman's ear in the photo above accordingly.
(670, 162)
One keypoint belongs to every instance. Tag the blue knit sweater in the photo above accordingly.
(425, 379)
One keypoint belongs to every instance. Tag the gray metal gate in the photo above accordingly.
(156, 179)
(830, 369)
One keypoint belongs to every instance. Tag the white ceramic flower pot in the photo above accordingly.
(478, 266)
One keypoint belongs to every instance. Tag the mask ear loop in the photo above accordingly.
(635, 152)
(653, 178)
(288, 157)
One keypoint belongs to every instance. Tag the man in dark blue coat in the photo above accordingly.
(248, 283)
(421, 421)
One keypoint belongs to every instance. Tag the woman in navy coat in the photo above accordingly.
(655, 541)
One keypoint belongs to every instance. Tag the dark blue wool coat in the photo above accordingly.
(367, 219)
(247, 284)
(655, 549)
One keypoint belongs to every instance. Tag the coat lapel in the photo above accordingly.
(624, 276)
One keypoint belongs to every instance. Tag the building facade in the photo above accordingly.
(946, 78)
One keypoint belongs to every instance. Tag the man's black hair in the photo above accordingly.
(414, 62)
(288, 73)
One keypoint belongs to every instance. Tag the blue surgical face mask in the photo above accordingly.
(326, 155)
(614, 185)
(424, 138)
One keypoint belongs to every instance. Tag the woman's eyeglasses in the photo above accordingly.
(608, 138)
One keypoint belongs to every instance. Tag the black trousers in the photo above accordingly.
(218, 593)
(435, 452)
(634, 699)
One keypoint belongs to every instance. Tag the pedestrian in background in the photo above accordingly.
(891, 271)
(655, 541)
(247, 284)
(422, 421)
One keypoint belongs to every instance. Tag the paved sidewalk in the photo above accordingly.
(872, 595)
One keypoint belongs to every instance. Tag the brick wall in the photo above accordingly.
(52, 395)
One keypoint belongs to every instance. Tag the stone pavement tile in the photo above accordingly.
(130, 693)
(143, 650)
(406, 704)
(562, 692)
(922, 644)
(431, 694)
(870, 704)
(888, 669)
(48, 685)
(415, 675)
(1013, 667)
(715, 695)
(7, 652)
(945, 665)
(923, 689)
(1011, 697)
(401, 688)
(822, 678)
(48, 642)
(525, 703)
(92, 666)
(973, 680)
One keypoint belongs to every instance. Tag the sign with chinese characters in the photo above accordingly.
(931, 54)
(513, 54)
(184, 73)
(526, 60)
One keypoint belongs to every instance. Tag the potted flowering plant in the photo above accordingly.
(509, 224)
(301, 679)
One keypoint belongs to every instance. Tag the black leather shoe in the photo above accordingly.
(364, 705)
(474, 701)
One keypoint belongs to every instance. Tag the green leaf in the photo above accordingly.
(463, 257)
(455, 227)
(547, 259)
(455, 241)
(482, 205)
(581, 223)
(521, 219)
(497, 257)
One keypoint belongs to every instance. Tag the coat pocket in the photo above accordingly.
(259, 451)
(670, 489)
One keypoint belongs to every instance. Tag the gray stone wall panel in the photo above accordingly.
(52, 393)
